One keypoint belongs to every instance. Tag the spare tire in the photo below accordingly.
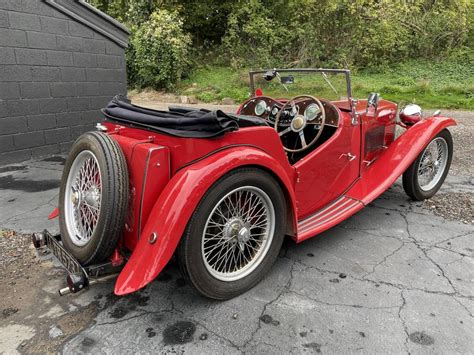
(93, 197)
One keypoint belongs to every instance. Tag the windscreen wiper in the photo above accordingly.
(329, 83)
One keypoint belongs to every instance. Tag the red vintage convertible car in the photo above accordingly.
(220, 191)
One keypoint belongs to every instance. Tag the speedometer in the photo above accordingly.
(312, 111)
(260, 108)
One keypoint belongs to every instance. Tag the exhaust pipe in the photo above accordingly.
(77, 282)
(38, 239)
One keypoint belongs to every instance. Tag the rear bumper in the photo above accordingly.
(79, 277)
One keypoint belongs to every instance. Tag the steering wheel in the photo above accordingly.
(299, 122)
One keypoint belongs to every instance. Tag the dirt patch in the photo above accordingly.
(16, 259)
(69, 325)
(24, 304)
(152, 95)
(463, 137)
(455, 206)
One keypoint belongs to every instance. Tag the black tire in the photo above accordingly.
(410, 177)
(114, 198)
(189, 251)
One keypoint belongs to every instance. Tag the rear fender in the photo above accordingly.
(397, 158)
(176, 204)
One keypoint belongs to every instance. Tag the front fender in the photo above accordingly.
(397, 158)
(176, 204)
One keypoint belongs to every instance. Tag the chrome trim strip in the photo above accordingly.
(327, 214)
(328, 207)
(320, 222)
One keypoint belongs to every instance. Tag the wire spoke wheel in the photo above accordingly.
(83, 196)
(432, 164)
(93, 198)
(238, 233)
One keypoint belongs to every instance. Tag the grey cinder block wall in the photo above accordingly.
(60, 63)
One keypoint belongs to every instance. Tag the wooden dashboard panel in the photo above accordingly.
(248, 108)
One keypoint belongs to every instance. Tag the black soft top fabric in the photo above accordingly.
(178, 121)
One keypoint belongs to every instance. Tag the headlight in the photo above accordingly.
(312, 111)
(411, 114)
(260, 108)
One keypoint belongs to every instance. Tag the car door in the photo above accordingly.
(326, 173)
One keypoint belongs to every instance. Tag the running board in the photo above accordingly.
(327, 217)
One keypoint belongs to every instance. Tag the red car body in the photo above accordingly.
(170, 175)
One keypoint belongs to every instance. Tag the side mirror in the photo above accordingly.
(270, 75)
(373, 101)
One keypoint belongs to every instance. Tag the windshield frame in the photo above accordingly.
(346, 72)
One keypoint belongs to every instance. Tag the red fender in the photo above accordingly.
(54, 213)
(397, 158)
(177, 202)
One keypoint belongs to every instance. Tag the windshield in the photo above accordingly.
(329, 84)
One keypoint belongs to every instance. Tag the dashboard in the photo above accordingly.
(268, 108)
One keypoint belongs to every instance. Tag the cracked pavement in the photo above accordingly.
(394, 278)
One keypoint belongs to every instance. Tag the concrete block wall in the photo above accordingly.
(55, 75)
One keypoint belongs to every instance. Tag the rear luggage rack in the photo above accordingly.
(79, 277)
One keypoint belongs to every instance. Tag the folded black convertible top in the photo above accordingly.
(178, 121)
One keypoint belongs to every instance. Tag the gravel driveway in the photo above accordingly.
(398, 277)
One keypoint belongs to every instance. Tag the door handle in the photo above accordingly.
(349, 156)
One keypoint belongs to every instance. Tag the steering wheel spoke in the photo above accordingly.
(285, 131)
(294, 108)
(299, 123)
(303, 139)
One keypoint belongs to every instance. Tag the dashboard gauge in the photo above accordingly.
(260, 108)
(312, 111)
(274, 110)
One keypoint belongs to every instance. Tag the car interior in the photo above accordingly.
(313, 131)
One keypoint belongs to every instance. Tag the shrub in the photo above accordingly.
(159, 52)
(252, 35)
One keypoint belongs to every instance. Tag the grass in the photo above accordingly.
(443, 84)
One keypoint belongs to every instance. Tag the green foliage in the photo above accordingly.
(159, 51)
(354, 33)
(367, 35)
(252, 35)
(216, 83)
(139, 11)
(204, 19)
(115, 8)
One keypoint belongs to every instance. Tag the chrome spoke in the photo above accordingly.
(302, 138)
(294, 109)
(285, 131)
